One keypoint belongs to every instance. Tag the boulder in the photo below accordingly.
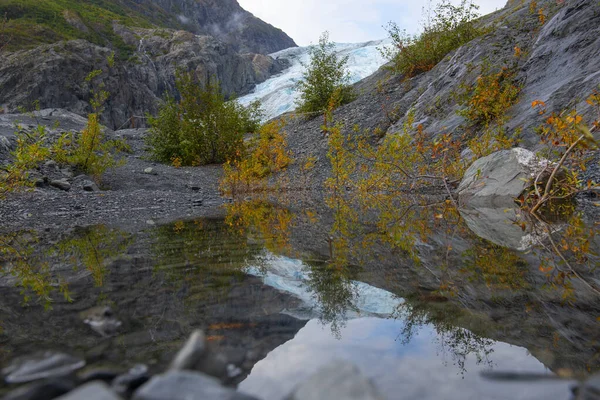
(41, 366)
(338, 380)
(503, 226)
(497, 180)
(186, 385)
(61, 184)
(91, 391)
(47, 389)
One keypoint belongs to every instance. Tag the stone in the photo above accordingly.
(91, 391)
(502, 226)
(51, 164)
(191, 353)
(49, 389)
(90, 186)
(186, 385)
(149, 171)
(37, 179)
(338, 380)
(497, 180)
(127, 383)
(61, 184)
(101, 320)
(67, 172)
(105, 375)
(42, 365)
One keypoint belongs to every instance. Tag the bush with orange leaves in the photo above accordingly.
(264, 154)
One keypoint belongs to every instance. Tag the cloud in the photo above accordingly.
(346, 20)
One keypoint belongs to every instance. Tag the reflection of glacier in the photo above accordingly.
(278, 95)
(291, 276)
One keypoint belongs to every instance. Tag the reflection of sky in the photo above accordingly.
(418, 370)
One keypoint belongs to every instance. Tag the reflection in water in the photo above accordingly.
(421, 242)
(26, 258)
(406, 288)
(413, 371)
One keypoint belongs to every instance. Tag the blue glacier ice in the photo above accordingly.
(278, 94)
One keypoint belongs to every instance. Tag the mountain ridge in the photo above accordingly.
(31, 22)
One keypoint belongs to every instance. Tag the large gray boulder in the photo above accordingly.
(338, 380)
(497, 180)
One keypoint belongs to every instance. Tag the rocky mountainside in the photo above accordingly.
(558, 63)
(31, 22)
(225, 20)
(151, 40)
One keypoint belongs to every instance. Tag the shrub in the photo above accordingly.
(450, 27)
(326, 76)
(202, 128)
(29, 154)
(490, 97)
(265, 153)
(90, 152)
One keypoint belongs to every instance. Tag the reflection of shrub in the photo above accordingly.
(202, 128)
(449, 28)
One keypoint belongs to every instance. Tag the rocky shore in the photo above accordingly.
(196, 372)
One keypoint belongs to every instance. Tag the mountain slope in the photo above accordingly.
(557, 63)
(34, 22)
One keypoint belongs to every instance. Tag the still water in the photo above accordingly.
(272, 296)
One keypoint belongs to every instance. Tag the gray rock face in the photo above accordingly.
(338, 380)
(497, 180)
(226, 20)
(559, 65)
(186, 385)
(55, 74)
(91, 391)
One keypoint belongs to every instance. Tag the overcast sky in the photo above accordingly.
(346, 20)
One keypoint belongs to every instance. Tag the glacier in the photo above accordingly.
(278, 94)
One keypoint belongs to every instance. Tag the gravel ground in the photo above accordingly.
(131, 195)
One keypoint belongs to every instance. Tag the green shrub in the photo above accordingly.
(90, 152)
(449, 28)
(202, 128)
(326, 77)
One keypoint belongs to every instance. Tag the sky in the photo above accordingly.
(348, 21)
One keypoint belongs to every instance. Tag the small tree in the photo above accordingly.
(202, 128)
(326, 76)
